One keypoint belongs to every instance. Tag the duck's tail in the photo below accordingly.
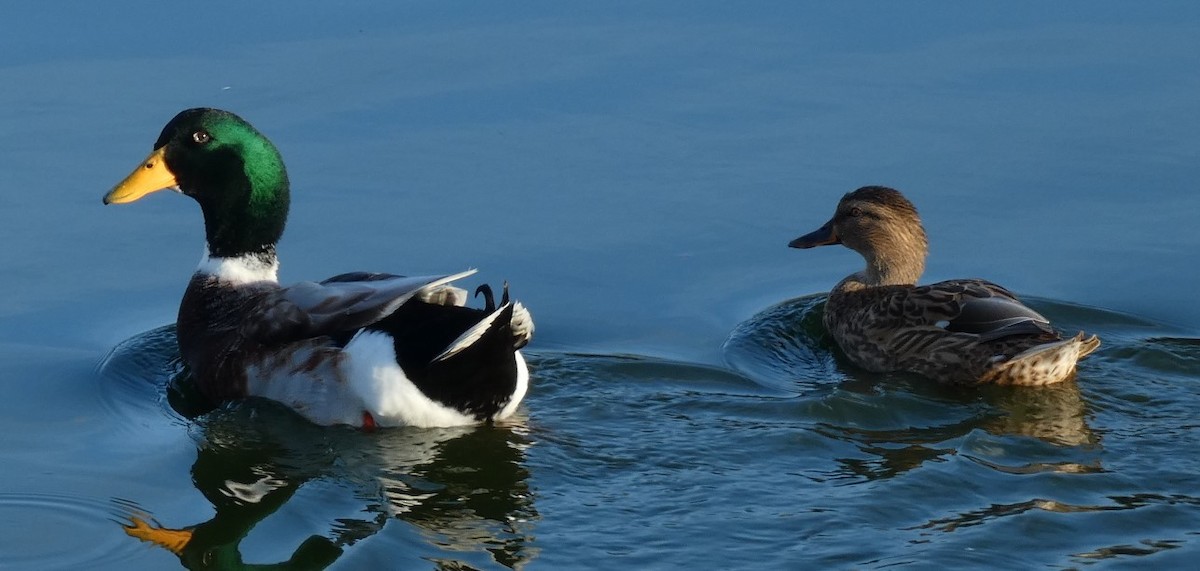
(522, 325)
(1043, 364)
(520, 321)
(494, 322)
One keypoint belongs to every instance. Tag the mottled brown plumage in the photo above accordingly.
(958, 331)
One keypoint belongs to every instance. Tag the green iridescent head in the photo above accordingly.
(227, 166)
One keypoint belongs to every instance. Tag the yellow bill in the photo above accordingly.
(150, 176)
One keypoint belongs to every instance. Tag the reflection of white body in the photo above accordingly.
(349, 485)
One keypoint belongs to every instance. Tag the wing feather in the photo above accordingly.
(339, 304)
(974, 306)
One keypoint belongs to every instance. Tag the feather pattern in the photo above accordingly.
(364, 349)
(316, 349)
(309, 309)
(959, 331)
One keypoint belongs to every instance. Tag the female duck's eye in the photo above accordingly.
(201, 137)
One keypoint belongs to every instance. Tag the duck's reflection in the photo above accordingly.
(466, 487)
(989, 419)
(1056, 414)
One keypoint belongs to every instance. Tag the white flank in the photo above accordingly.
(240, 270)
(318, 394)
(371, 371)
(522, 386)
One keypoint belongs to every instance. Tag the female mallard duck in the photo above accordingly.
(962, 331)
(359, 349)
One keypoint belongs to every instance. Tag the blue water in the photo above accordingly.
(635, 171)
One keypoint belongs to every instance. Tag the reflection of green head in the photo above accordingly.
(468, 486)
(245, 486)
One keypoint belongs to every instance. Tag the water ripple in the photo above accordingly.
(789, 443)
(44, 531)
(137, 376)
(1106, 444)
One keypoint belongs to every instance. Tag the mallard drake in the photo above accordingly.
(360, 349)
(957, 331)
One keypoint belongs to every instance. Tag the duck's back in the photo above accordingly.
(952, 331)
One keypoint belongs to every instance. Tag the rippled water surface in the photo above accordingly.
(635, 171)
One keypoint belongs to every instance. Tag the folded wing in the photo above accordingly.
(980, 308)
(338, 305)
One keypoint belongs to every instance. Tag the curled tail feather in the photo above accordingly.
(522, 325)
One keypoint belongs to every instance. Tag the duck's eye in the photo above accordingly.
(855, 212)
(201, 136)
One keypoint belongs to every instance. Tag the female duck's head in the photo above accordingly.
(882, 226)
(234, 173)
